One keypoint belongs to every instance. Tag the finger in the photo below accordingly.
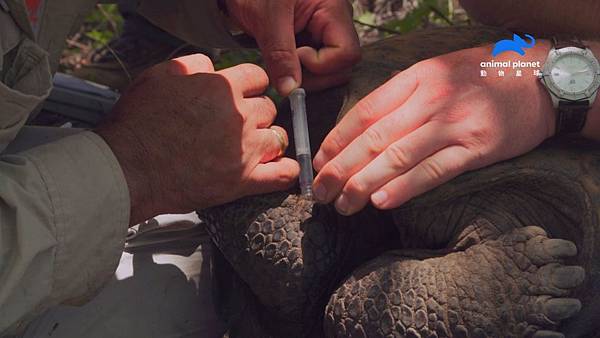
(341, 47)
(273, 143)
(260, 110)
(332, 26)
(431, 172)
(195, 63)
(367, 111)
(394, 161)
(277, 175)
(278, 46)
(367, 146)
(185, 65)
(248, 79)
(313, 82)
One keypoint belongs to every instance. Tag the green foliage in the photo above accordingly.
(367, 18)
(234, 57)
(103, 24)
(438, 12)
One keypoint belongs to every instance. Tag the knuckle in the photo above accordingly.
(355, 187)
(333, 144)
(375, 141)
(479, 137)
(277, 55)
(286, 176)
(251, 73)
(333, 171)
(433, 169)
(203, 58)
(440, 93)
(197, 58)
(433, 67)
(398, 158)
(451, 116)
(265, 105)
(252, 69)
(365, 112)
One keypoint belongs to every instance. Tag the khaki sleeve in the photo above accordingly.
(64, 212)
(197, 22)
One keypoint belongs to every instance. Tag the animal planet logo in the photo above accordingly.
(517, 45)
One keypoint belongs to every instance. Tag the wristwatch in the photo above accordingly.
(572, 76)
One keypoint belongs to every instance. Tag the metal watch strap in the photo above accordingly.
(571, 115)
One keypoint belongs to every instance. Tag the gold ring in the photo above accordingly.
(281, 139)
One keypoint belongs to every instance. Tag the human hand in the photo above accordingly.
(188, 137)
(429, 124)
(274, 24)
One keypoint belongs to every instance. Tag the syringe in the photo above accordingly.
(303, 156)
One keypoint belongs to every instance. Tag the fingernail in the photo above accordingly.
(342, 205)
(320, 193)
(286, 84)
(379, 198)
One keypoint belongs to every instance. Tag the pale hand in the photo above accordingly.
(429, 124)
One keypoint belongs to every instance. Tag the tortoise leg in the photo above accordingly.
(513, 286)
(292, 254)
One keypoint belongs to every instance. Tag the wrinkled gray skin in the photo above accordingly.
(460, 261)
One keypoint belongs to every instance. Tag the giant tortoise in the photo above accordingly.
(505, 251)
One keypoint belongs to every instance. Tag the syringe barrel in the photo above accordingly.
(306, 175)
(302, 141)
(300, 122)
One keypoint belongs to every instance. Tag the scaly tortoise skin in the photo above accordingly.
(460, 261)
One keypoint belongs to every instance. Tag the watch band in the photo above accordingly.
(222, 7)
(571, 115)
(564, 41)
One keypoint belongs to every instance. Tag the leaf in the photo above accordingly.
(412, 20)
(367, 18)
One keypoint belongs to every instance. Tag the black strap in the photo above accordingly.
(571, 116)
(563, 41)
(222, 6)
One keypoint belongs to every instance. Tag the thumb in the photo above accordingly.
(278, 46)
(280, 174)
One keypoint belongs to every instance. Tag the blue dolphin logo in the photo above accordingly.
(517, 45)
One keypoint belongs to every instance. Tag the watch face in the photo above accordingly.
(573, 73)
